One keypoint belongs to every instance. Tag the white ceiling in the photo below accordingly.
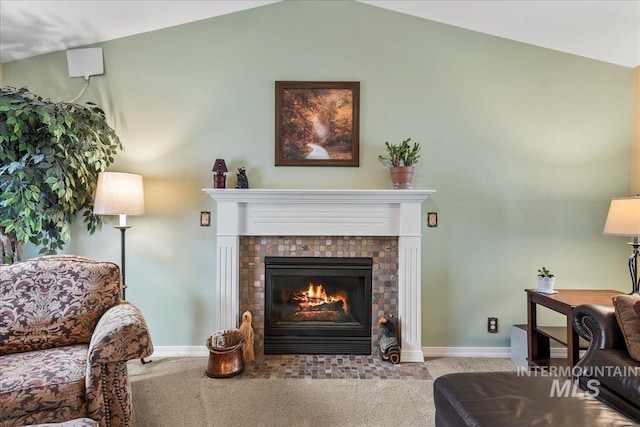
(604, 30)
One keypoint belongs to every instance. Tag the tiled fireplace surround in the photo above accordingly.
(384, 225)
(383, 251)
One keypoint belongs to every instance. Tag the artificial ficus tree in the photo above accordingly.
(50, 157)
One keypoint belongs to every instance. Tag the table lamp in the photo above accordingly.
(624, 220)
(119, 194)
(220, 168)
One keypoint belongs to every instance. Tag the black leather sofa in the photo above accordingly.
(608, 376)
(506, 399)
(606, 366)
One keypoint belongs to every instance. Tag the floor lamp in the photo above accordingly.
(624, 220)
(120, 194)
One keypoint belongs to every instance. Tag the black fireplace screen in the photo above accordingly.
(317, 305)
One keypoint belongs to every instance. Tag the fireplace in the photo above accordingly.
(317, 305)
(313, 213)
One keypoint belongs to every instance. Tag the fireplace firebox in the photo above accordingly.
(317, 305)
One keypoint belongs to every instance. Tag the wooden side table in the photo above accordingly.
(538, 337)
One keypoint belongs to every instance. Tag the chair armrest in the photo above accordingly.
(598, 324)
(121, 334)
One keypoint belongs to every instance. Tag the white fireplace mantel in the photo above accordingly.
(271, 212)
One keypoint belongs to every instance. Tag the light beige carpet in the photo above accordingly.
(176, 392)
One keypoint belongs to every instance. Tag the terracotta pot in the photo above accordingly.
(402, 176)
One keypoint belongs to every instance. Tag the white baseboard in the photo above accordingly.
(480, 352)
(466, 351)
(202, 351)
(180, 351)
(412, 356)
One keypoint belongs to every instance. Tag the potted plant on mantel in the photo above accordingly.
(401, 158)
(50, 156)
(546, 281)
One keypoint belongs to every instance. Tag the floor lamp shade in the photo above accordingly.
(119, 194)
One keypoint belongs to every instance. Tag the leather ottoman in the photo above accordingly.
(495, 399)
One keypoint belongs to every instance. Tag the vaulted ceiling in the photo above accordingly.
(608, 31)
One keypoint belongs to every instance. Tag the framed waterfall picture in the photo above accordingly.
(317, 123)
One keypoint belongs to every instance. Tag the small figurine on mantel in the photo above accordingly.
(243, 181)
(388, 342)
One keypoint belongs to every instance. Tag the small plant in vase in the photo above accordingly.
(401, 158)
(546, 281)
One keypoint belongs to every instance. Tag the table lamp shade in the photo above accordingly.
(119, 194)
(624, 217)
(219, 166)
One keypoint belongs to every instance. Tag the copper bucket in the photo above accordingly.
(227, 360)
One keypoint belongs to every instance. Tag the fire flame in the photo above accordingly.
(316, 295)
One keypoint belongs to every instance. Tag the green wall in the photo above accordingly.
(525, 147)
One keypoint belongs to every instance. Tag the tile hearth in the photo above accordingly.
(332, 367)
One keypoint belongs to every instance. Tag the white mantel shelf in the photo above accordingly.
(343, 212)
(318, 196)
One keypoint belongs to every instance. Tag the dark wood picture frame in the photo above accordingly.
(317, 123)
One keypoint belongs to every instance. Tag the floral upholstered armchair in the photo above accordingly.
(65, 338)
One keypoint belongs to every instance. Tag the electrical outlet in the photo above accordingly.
(492, 325)
(432, 219)
(205, 219)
